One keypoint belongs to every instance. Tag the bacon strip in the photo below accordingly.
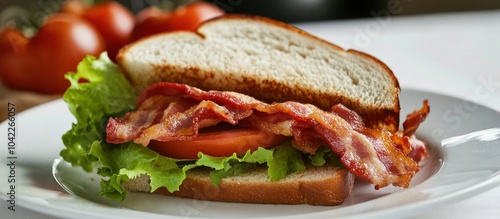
(419, 151)
(149, 113)
(377, 156)
(414, 119)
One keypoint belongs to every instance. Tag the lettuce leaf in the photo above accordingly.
(324, 155)
(131, 160)
(99, 91)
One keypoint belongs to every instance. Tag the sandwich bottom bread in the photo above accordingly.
(326, 185)
(168, 136)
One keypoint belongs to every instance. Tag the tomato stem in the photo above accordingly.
(18, 18)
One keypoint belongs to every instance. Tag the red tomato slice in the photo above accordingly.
(218, 143)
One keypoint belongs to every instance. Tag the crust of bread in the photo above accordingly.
(327, 186)
(269, 89)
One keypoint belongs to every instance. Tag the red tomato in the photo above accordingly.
(12, 59)
(219, 143)
(75, 7)
(152, 21)
(112, 20)
(192, 15)
(40, 63)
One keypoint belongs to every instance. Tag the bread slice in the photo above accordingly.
(327, 185)
(269, 60)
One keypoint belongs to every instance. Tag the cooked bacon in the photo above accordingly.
(418, 149)
(378, 156)
(414, 119)
(180, 120)
(148, 113)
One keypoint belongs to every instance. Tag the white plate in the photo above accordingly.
(449, 175)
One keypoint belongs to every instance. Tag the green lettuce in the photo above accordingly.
(99, 91)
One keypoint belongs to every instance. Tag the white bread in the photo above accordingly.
(327, 185)
(269, 60)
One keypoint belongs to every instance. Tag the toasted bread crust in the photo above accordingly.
(297, 188)
(270, 90)
(387, 118)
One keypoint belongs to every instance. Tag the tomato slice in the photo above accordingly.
(218, 143)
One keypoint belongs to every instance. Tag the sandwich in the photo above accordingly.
(246, 109)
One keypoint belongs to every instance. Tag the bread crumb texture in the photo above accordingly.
(327, 185)
(269, 60)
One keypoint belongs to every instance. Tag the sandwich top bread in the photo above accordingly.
(271, 61)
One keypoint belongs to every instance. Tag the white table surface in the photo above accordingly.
(451, 54)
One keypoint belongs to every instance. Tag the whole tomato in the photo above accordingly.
(12, 58)
(150, 21)
(188, 17)
(75, 7)
(112, 20)
(39, 64)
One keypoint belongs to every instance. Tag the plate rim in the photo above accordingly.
(491, 182)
